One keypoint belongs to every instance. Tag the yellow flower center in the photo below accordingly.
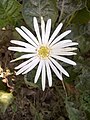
(43, 51)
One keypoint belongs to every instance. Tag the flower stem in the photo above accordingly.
(64, 88)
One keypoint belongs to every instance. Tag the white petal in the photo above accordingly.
(70, 44)
(59, 44)
(38, 71)
(69, 49)
(59, 67)
(24, 35)
(36, 27)
(43, 77)
(60, 37)
(60, 52)
(62, 45)
(55, 70)
(23, 57)
(48, 29)
(23, 69)
(66, 60)
(21, 49)
(55, 32)
(25, 63)
(63, 51)
(30, 34)
(32, 65)
(24, 44)
(43, 30)
(49, 75)
(26, 67)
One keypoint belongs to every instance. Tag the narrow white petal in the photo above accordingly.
(48, 29)
(32, 65)
(60, 37)
(68, 49)
(24, 35)
(60, 52)
(21, 49)
(36, 27)
(38, 71)
(25, 63)
(59, 67)
(55, 32)
(49, 75)
(55, 70)
(24, 44)
(63, 51)
(66, 60)
(27, 56)
(25, 68)
(43, 30)
(43, 77)
(30, 34)
(59, 44)
(23, 57)
(70, 44)
(62, 45)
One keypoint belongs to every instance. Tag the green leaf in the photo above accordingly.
(85, 100)
(83, 42)
(84, 83)
(72, 112)
(5, 100)
(81, 16)
(9, 12)
(38, 8)
(68, 8)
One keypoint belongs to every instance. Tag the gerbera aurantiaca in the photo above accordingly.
(44, 50)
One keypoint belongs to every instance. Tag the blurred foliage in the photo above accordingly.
(75, 14)
(9, 12)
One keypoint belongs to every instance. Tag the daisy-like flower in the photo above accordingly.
(44, 50)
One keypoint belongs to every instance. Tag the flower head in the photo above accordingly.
(44, 50)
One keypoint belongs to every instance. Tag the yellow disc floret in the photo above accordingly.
(43, 52)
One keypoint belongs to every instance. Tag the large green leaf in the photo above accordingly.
(9, 12)
(38, 8)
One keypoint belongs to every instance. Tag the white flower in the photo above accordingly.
(44, 50)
